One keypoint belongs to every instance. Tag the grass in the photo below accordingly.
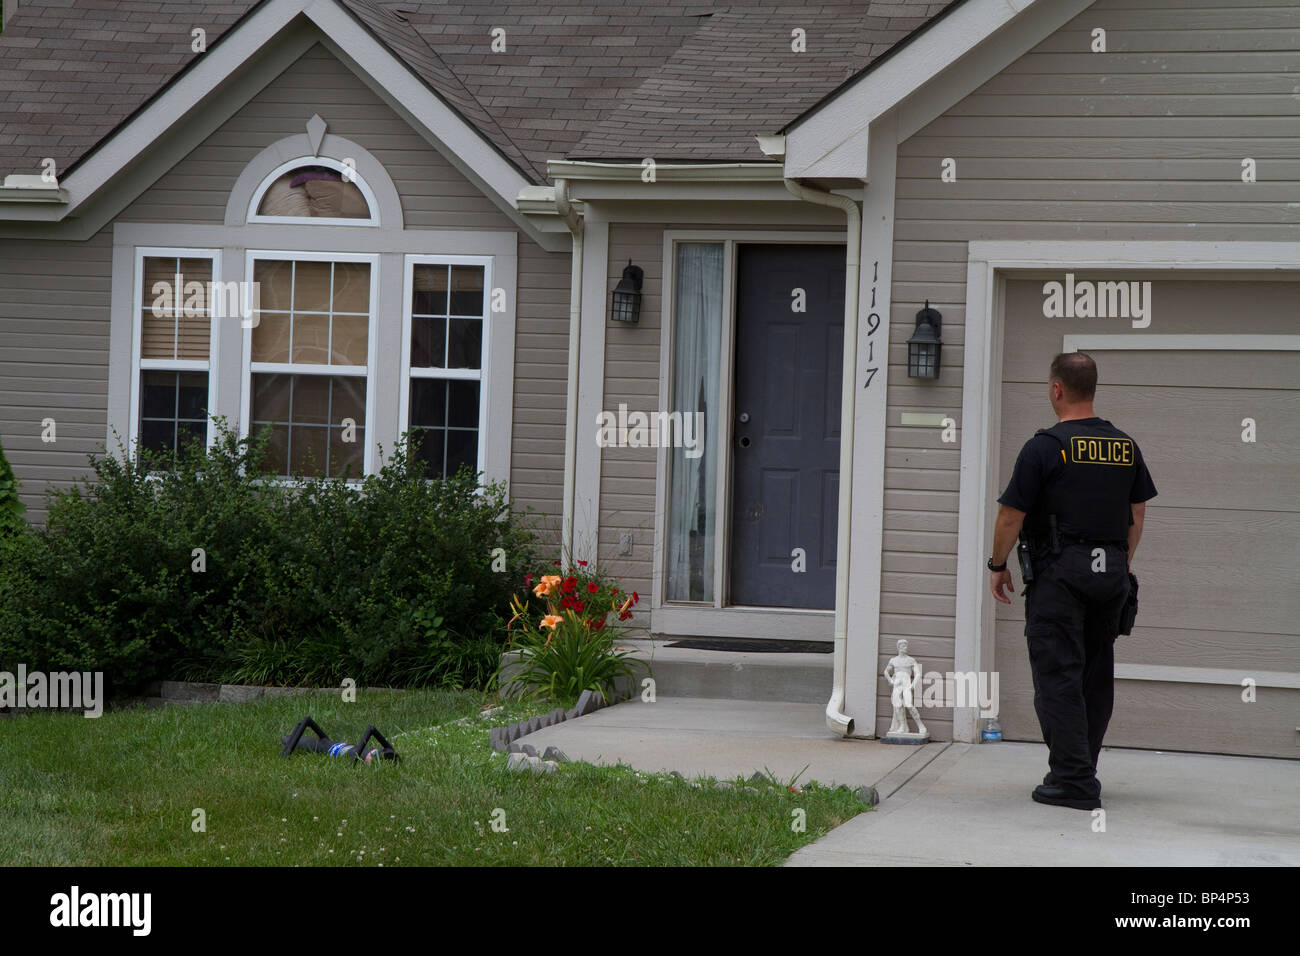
(121, 790)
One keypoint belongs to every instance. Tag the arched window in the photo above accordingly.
(314, 190)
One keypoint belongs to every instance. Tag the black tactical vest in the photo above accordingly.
(1090, 494)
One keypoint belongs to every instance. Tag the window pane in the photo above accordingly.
(271, 337)
(308, 412)
(467, 290)
(349, 345)
(314, 191)
(429, 446)
(428, 342)
(193, 400)
(311, 399)
(172, 406)
(277, 450)
(462, 404)
(311, 287)
(697, 358)
(345, 455)
(275, 284)
(465, 343)
(428, 403)
(271, 398)
(157, 394)
(188, 433)
(429, 290)
(311, 336)
(308, 449)
(352, 287)
(462, 449)
(156, 437)
(167, 285)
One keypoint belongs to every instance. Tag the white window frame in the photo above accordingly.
(482, 375)
(140, 364)
(349, 174)
(252, 256)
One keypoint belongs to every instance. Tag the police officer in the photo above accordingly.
(1077, 498)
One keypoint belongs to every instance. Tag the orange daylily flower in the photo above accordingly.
(551, 621)
(548, 583)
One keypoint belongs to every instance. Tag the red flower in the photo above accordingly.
(570, 583)
(613, 590)
(625, 615)
(599, 625)
(593, 587)
(567, 603)
(636, 598)
(582, 564)
(528, 579)
(578, 606)
(556, 563)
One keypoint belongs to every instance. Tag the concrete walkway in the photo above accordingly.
(959, 804)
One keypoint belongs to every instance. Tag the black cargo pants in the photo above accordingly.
(1071, 621)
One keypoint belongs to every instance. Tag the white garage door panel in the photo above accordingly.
(1158, 714)
(1182, 307)
(1190, 439)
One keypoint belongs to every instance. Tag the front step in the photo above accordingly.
(736, 675)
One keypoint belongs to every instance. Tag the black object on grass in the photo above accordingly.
(322, 744)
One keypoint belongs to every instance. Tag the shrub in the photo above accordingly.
(11, 506)
(300, 583)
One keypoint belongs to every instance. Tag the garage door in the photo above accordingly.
(1219, 562)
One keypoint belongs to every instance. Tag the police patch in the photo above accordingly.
(1089, 450)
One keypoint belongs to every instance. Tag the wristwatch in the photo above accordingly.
(997, 567)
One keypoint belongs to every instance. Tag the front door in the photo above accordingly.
(786, 432)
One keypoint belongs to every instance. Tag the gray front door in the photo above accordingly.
(786, 433)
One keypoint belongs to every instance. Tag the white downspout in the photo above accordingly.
(839, 722)
(574, 222)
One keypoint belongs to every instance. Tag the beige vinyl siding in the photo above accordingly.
(541, 376)
(1144, 142)
(54, 304)
(434, 193)
(627, 475)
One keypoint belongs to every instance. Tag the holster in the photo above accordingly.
(1129, 614)
(1024, 551)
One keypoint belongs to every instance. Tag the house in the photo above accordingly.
(439, 202)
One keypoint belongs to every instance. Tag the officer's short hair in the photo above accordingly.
(1077, 374)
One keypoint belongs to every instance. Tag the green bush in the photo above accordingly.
(308, 582)
(11, 506)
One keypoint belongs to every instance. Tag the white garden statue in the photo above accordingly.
(904, 675)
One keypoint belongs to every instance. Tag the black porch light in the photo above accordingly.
(625, 306)
(924, 345)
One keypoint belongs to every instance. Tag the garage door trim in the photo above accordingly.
(988, 263)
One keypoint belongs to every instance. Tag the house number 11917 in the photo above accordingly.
(873, 323)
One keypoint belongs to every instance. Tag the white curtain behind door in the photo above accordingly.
(697, 362)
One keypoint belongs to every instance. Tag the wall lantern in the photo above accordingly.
(626, 303)
(923, 347)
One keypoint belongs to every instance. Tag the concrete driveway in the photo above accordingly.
(950, 804)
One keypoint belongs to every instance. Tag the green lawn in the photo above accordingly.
(121, 790)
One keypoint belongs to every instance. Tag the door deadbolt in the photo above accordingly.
(744, 441)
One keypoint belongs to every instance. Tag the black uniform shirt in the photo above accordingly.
(1040, 461)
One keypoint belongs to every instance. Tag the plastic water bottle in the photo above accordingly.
(992, 731)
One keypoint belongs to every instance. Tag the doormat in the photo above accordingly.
(768, 647)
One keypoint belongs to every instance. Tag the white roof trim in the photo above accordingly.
(814, 140)
(236, 47)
